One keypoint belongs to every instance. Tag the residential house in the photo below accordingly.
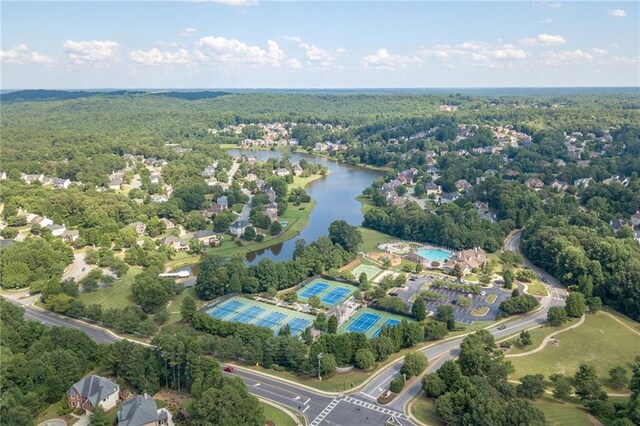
(535, 183)
(70, 235)
(584, 182)
(3, 175)
(469, 259)
(212, 210)
(462, 185)
(159, 198)
(209, 171)
(58, 183)
(142, 410)
(168, 225)
(481, 207)
(282, 172)
(92, 391)
(619, 223)
(561, 163)
(449, 198)
(57, 230)
(139, 227)
(271, 194)
(32, 178)
(116, 182)
(635, 219)
(176, 243)
(297, 169)
(238, 227)
(272, 211)
(154, 178)
(559, 186)
(432, 189)
(250, 177)
(223, 201)
(43, 221)
(5, 243)
(511, 172)
(397, 201)
(208, 238)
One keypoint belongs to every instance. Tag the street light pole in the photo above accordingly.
(319, 360)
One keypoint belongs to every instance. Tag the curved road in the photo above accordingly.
(359, 407)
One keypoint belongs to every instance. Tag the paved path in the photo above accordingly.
(78, 268)
(547, 338)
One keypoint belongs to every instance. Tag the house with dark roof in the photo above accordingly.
(92, 391)
(238, 227)
(142, 410)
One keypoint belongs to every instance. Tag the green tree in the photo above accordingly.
(227, 405)
(556, 316)
(525, 338)
(396, 385)
(98, 417)
(363, 280)
(634, 383)
(445, 314)
(509, 277)
(587, 384)
(249, 233)
(561, 387)
(320, 322)
(618, 377)
(345, 235)
(419, 309)
(332, 324)
(433, 386)
(414, 364)
(532, 386)
(575, 305)
(365, 360)
(188, 308)
(314, 301)
(275, 228)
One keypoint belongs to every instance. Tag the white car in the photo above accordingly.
(483, 293)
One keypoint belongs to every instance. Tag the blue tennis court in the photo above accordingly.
(335, 295)
(226, 309)
(314, 290)
(297, 325)
(247, 315)
(388, 323)
(364, 322)
(271, 320)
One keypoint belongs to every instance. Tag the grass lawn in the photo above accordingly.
(537, 335)
(491, 298)
(372, 238)
(51, 412)
(337, 383)
(480, 312)
(424, 410)
(600, 341)
(174, 308)
(301, 182)
(276, 416)
(559, 414)
(117, 296)
(536, 288)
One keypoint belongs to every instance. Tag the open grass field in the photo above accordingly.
(536, 288)
(375, 326)
(537, 335)
(248, 311)
(372, 238)
(117, 296)
(369, 270)
(559, 414)
(424, 410)
(174, 308)
(276, 416)
(301, 182)
(601, 341)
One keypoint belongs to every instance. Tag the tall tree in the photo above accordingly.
(345, 235)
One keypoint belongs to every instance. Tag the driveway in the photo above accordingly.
(78, 268)
(53, 422)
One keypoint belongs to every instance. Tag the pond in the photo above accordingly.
(334, 195)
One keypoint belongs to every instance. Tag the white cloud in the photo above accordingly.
(294, 64)
(545, 21)
(617, 13)
(229, 51)
(599, 51)
(477, 52)
(188, 32)
(567, 57)
(81, 52)
(157, 56)
(382, 59)
(543, 39)
(315, 56)
(21, 54)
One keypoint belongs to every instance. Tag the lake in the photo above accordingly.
(334, 194)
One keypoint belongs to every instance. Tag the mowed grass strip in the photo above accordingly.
(601, 341)
(276, 416)
(424, 410)
(372, 238)
(537, 336)
(117, 296)
(559, 414)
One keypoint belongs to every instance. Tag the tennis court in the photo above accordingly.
(370, 322)
(335, 295)
(331, 293)
(369, 270)
(314, 289)
(388, 323)
(248, 311)
(364, 322)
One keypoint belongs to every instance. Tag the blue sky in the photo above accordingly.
(269, 44)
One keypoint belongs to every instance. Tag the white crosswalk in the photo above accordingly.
(325, 412)
(355, 401)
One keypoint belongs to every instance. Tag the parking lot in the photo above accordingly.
(462, 314)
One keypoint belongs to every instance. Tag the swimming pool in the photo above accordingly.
(434, 255)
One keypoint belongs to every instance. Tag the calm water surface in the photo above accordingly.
(335, 199)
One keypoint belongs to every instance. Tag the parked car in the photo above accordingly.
(454, 302)
(502, 327)
(483, 293)
(228, 369)
(544, 280)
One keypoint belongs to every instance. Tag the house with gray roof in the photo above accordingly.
(143, 411)
(92, 391)
(238, 227)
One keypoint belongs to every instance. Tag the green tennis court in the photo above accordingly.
(370, 270)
